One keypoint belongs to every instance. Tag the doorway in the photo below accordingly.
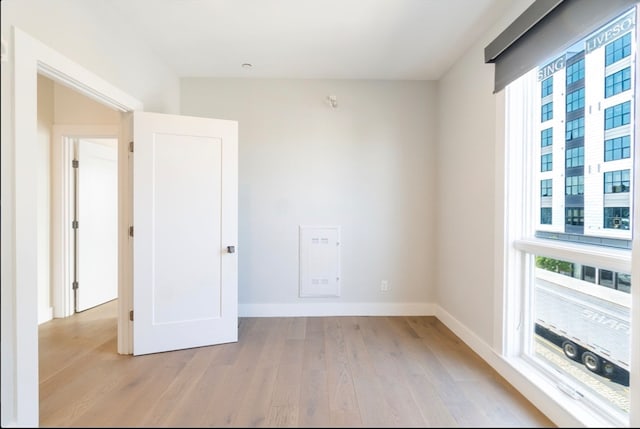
(95, 224)
(84, 205)
(20, 341)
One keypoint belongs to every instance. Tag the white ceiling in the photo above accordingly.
(329, 39)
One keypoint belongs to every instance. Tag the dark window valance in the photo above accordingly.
(544, 29)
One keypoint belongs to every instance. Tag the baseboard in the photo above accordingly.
(300, 309)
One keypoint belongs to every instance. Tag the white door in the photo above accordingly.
(185, 186)
(97, 214)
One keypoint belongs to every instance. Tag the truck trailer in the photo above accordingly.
(589, 322)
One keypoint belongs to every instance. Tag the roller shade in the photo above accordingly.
(545, 28)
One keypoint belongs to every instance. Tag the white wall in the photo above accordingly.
(367, 166)
(87, 32)
(466, 152)
(73, 108)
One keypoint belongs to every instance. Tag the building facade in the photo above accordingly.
(586, 138)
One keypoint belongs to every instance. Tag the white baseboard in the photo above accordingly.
(299, 309)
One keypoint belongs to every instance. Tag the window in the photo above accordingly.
(575, 72)
(623, 282)
(545, 216)
(589, 274)
(546, 137)
(605, 278)
(575, 185)
(575, 129)
(616, 218)
(575, 157)
(617, 115)
(546, 163)
(616, 181)
(617, 82)
(574, 216)
(618, 49)
(617, 148)
(549, 334)
(546, 188)
(547, 111)
(547, 87)
(575, 100)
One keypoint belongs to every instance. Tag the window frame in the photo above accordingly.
(514, 263)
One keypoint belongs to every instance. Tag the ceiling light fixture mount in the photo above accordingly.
(247, 65)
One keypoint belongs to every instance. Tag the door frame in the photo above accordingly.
(19, 357)
(62, 196)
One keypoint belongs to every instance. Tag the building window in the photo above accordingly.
(616, 181)
(575, 157)
(618, 49)
(546, 137)
(574, 216)
(618, 82)
(623, 282)
(617, 148)
(574, 185)
(545, 216)
(547, 111)
(546, 162)
(616, 217)
(547, 87)
(575, 72)
(606, 278)
(589, 274)
(575, 129)
(575, 100)
(546, 188)
(617, 115)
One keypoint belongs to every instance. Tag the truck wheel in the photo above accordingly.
(570, 350)
(591, 361)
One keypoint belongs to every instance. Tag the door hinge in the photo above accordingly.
(130, 146)
(131, 315)
(74, 224)
(131, 231)
(75, 163)
(74, 285)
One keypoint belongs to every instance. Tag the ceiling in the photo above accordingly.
(324, 39)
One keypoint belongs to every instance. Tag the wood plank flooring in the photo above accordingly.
(283, 372)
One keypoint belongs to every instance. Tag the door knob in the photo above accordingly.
(231, 249)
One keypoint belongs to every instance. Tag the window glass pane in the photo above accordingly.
(617, 148)
(546, 137)
(617, 82)
(547, 86)
(580, 329)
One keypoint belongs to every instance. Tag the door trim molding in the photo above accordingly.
(20, 404)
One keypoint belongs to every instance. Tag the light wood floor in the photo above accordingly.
(283, 372)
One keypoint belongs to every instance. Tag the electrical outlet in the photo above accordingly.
(384, 285)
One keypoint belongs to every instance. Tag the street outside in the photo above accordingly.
(614, 393)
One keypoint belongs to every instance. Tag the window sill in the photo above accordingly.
(559, 406)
